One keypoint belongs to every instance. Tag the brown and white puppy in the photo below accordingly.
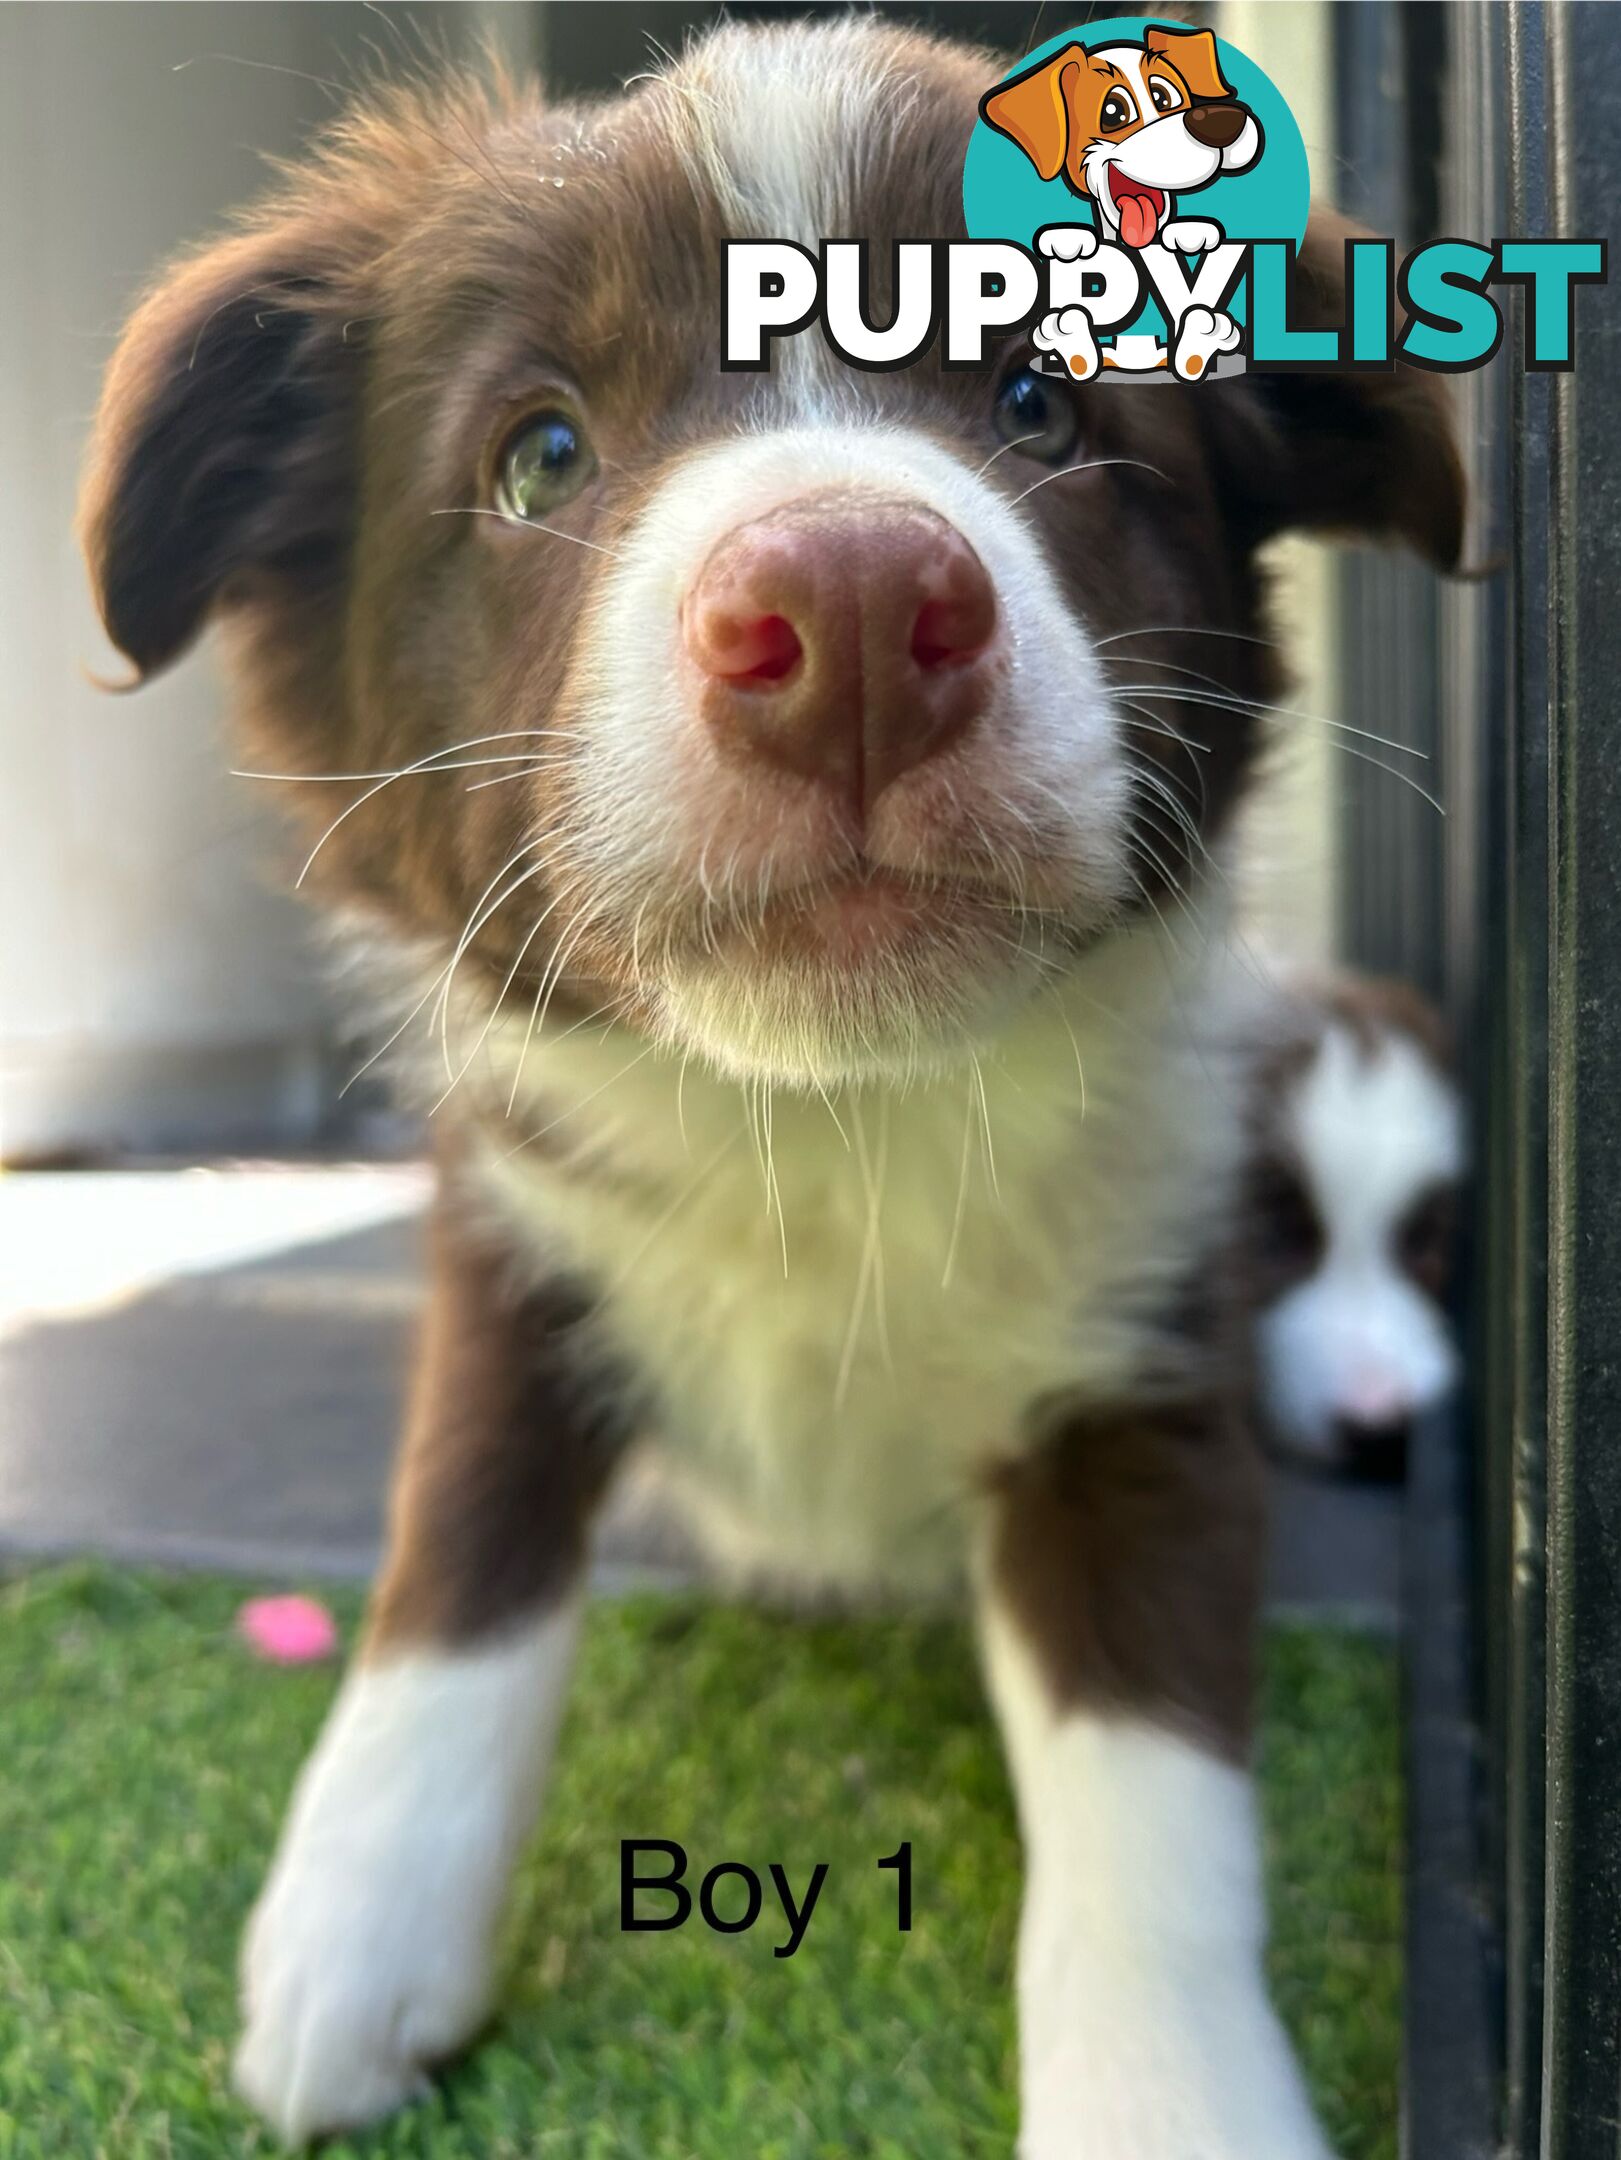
(798, 824)
(1358, 1155)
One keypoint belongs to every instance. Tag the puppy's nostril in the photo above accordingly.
(744, 648)
(949, 633)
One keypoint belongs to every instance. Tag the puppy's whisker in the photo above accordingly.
(476, 921)
(962, 1190)
(422, 764)
(1017, 443)
(531, 1139)
(496, 1004)
(529, 772)
(553, 532)
(1336, 728)
(1071, 472)
(1182, 830)
(985, 1123)
(1233, 699)
(1055, 990)
(400, 772)
(661, 1223)
(547, 990)
(858, 1304)
(1148, 899)
(1242, 637)
(388, 1043)
(1146, 726)
(383, 1048)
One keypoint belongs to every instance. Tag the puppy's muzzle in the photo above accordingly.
(845, 642)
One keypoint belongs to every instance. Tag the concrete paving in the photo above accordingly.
(205, 1370)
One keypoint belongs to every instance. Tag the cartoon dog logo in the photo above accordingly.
(1130, 128)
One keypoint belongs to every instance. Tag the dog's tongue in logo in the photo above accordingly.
(1140, 206)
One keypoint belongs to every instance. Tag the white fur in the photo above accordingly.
(774, 126)
(663, 815)
(369, 1953)
(1145, 2032)
(842, 1305)
(1358, 1340)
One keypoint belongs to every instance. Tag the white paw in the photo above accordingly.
(1067, 243)
(1153, 2064)
(1200, 336)
(1068, 334)
(369, 1954)
(355, 1979)
(1191, 236)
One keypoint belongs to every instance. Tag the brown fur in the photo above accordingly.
(516, 1421)
(1128, 1541)
(1128, 1548)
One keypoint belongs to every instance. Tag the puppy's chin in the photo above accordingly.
(879, 983)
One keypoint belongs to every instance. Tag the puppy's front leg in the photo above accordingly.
(1118, 1603)
(369, 1954)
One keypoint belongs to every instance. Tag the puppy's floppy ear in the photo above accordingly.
(1033, 111)
(224, 446)
(1193, 55)
(1366, 451)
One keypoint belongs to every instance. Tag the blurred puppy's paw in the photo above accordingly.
(354, 1981)
(1153, 2074)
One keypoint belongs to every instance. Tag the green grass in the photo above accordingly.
(144, 1761)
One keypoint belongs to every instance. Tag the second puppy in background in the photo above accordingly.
(1359, 1152)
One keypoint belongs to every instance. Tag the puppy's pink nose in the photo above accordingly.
(842, 641)
(1373, 1398)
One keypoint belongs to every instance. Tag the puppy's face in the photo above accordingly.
(1355, 1189)
(809, 721)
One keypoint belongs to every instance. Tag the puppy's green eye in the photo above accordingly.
(1036, 417)
(544, 463)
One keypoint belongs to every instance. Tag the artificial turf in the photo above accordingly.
(144, 1760)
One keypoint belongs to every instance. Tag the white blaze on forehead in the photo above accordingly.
(775, 125)
(1375, 1130)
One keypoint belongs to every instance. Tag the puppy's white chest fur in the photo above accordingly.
(845, 1309)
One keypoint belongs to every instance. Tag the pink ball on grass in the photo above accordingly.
(288, 1630)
